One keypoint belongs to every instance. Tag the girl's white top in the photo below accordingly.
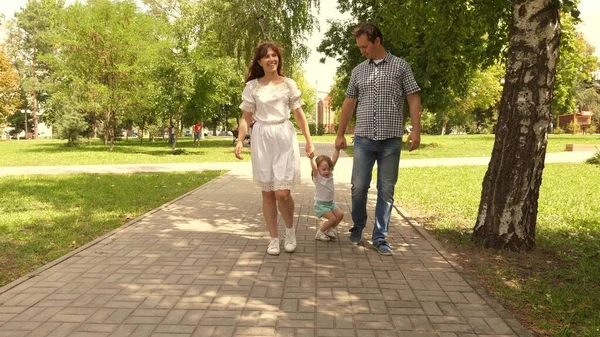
(324, 189)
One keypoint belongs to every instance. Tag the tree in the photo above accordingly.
(509, 198)
(105, 52)
(576, 61)
(9, 88)
(30, 44)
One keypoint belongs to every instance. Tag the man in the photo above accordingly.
(197, 128)
(379, 85)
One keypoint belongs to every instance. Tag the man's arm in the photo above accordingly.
(347, 111)
(414, 106)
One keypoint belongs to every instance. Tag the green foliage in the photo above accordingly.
(558, 130)
(70, 126)
(576, 61)
(573, 128)
(10, 97)
(595, 159)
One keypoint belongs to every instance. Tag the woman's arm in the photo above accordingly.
(303, 124)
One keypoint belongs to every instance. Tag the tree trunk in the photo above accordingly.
(509, 199)
(34, 114)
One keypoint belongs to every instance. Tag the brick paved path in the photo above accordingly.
(198, 267)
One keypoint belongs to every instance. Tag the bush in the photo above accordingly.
(70, 126)
(558, 130)
(595, 159)
(573, 128)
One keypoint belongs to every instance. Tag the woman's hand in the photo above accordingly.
(310, 150)
(238, 149)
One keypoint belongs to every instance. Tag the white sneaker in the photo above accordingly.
(290, 240)
(321, 236)
(273, 248)
(332, 233)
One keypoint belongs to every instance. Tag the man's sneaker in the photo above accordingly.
(355, 236)
(289, 242)
(383, 248)
(321, 236)
(332, 233)
(273, 248)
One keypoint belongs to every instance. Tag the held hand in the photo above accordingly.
(414, 140)
(340, 143)
(310, 150)
(238, 149)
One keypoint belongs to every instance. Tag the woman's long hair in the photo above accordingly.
(255, 70)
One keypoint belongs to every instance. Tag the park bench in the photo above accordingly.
(582, 147)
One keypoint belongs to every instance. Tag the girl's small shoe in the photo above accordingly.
(321, 236)
(332, 233)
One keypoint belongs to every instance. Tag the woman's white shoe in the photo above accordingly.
(290, 240)
(273, 248)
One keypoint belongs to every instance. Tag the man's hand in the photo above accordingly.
(414, 140)
(340, 143)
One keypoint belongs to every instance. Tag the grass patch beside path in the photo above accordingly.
(554, 289)
(45, 217)
(455, 146)
(56, 153)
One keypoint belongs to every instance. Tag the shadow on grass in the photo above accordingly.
(43, 218)
(553, 289)
(157, 148)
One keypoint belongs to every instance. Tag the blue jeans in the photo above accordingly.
(387, 154)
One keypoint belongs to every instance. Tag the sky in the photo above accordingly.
(322, 75)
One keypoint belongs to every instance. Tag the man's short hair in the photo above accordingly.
(370, 30)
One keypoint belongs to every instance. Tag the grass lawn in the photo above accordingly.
(45, 217)
(220, 149)
(55, 152)
(554, 289)
(453, 146)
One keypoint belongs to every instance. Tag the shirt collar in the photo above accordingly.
(386, 59)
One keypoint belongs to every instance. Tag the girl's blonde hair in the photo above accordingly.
(319, 160)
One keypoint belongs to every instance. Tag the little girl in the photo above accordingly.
(322, 167)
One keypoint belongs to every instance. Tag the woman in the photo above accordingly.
(268, 98)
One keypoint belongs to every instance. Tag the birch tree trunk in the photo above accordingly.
(509, 199)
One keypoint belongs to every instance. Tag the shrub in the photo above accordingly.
(558, 130)
(595, 159)
(70, 126)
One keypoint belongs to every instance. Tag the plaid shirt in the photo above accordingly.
(381, 89)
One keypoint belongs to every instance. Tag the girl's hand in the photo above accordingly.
(310, 150)
(238, 149)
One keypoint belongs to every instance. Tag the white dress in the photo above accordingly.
(274, 147)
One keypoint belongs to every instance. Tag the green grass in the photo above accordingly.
(45, 217)
(220, 149)
(556, 287)
(54, 152)
(454, 146)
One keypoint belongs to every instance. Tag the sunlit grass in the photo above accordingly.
(45, 217)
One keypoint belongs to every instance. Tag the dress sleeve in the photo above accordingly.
(248, 103)
(295, 95)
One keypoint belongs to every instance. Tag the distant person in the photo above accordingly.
(197, 128)
(171, 134)
(379, 85)
(325, 207)
(268, 98)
